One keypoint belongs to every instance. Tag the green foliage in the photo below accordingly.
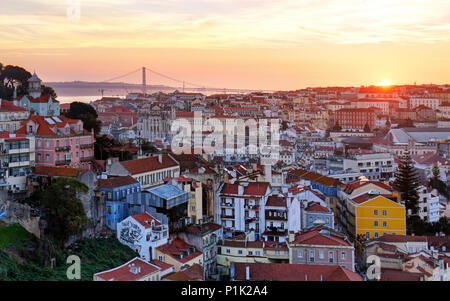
(438, 184)
(103, 149)
(10, 75)
(96, 255)
(87, 114)
(406, 183)
(64, 212)
(419, 227)
(12, 234)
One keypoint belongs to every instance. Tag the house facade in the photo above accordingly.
(321, 246)
(116, 190)
(143, 233)
(60, 141)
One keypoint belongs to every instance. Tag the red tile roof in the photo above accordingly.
(316, 207)
(397, 275)
(203, 228)
(145, 220)
(275, 201)
(252, 188)
(114, 182)
(400, 238)
(148, 164)
(193, 273)
(57, 171)
(294, 272)
(178, 247)
(6, 106)
(124, 272)
(352, 186)
(319, 236)
(367, 197)
(314, 177)
(163, 265)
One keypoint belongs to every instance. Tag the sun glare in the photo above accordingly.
(385, 83)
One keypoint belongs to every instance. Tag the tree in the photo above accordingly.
(49, 91)
(63, 210)
(436, 182)
(367, 128)
(337, 127)
(16, 75)
(406, 183)
(87, 114)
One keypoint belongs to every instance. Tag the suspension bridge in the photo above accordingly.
(183, 85)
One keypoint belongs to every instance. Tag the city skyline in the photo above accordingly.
(232, 44)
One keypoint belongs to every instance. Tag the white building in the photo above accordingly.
(17, 157)
(374, 166)
(143, 233)
(415, 101)
(428, 205)
(242, 206)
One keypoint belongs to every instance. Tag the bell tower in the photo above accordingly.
(34, 86)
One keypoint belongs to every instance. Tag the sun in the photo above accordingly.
(385, 83)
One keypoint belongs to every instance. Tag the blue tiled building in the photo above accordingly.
(315, 214)
(116, 190)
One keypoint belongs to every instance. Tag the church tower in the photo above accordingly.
(34, 86)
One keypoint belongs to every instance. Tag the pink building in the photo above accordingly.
(60, 141)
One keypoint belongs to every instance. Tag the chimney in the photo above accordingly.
(247, 273)
(291, 236)
(268, 173)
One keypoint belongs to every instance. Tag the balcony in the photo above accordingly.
(225, 216)
(62, 148)
(90, 145)
(63, 162)
(226, 205)
(87, 159)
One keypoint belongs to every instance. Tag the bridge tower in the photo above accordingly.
(144, 82)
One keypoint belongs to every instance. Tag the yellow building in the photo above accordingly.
(179, 254)
(251, 252)
(373, 215)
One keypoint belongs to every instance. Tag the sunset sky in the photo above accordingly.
(257, 44)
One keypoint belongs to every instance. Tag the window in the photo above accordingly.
(375, 212)
(384, 212)
(47, 157)
(330, 257)
(311, 256)
(240, 252)
(321, 255)
(343, 255)
(375, 223)
(228, 251)
(384, 223)
(300, 254)
(250, 253)
(375, 235)
(367, 235)
(257, 253)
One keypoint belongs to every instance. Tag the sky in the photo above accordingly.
(254, 44)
